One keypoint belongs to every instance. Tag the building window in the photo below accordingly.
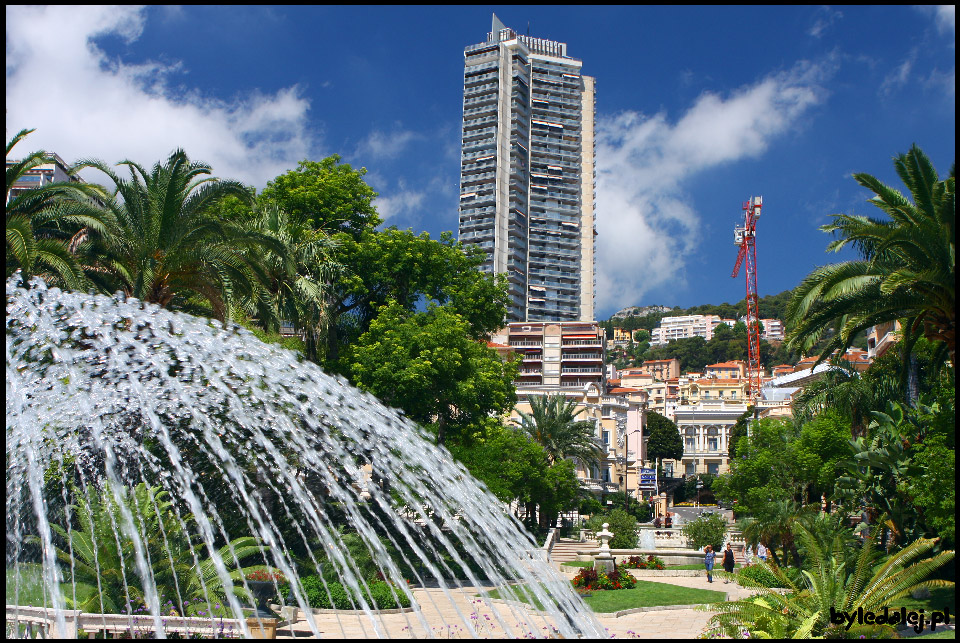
(713, 469)
(606, 438)
(711, 444)
(689, 444)
(690, 468)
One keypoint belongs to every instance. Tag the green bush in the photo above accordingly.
(380, 595)
(623, 526)
(708, 529)
(759, 574)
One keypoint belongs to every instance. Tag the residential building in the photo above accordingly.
(527, 173)
(672, 328)
(772, 330)
(710, 389)
(735, 368)
(881, 337)
(661, 369)
(566, 358)
(558, 355)
(44, 174)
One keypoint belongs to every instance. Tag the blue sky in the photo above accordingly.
(699, 108)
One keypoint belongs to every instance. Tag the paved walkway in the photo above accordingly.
(444, 616)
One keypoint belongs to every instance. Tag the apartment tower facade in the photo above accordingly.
(527, 176)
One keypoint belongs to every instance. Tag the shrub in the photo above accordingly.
(624, 529)
(759, 574)
(708, 529)
(380, 595)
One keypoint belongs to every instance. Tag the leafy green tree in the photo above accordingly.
(45, 223)
(765, 468)
(397, 265)
(737, 431)
(820, 451)
(168, 247)
(329, 195)
(708, 529)
(428, 365)
(774, 526)
(664, 442)
(907, 270)
(515, 468)
(804, 610)
(552, 424)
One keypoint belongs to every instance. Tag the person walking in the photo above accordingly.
(708, 561)
(728, 561)
(761, 551)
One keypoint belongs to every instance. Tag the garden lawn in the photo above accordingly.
(645, 594)
(578, 563)
(649, 594)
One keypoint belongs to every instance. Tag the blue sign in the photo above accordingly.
(648, 478)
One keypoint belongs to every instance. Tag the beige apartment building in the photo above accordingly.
(566, 358)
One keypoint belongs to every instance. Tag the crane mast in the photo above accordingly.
(745, 237)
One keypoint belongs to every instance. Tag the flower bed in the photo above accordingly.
(591, 579)
(637, 562)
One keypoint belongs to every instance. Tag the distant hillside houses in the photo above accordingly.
(673, 328)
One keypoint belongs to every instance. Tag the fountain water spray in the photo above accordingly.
(198, 433)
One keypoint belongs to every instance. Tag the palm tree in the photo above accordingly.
(831, 582)
(45, 223)
(169, 247)
(551, 423)
(906, 272)
(299, 279)
(775, 527)
(845, 390)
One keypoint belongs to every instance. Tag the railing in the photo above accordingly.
(41, 622)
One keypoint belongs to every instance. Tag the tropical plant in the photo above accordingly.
(664, 442)
(830, 583)
(907, 271)
(845, 390)
(102, 557)
(775, 528)
(168, 245)
(45, 223)
(300, 278)
(552, 424)
(880, 464)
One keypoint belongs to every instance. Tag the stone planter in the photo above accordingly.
(265, 628)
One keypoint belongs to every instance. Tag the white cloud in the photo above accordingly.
(646, 227)
(84, 104)
(379, 145)
(404, 202)
(946, 16)
(825, 20)
(900, 75)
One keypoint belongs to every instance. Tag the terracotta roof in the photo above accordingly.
(624, 390)
(613, 381)
(496, 345)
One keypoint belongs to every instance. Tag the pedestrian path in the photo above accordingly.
(443, 614)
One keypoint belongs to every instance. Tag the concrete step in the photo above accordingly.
(566, 549)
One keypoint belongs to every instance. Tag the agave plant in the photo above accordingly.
(803, 609)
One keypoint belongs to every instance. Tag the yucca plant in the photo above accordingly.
(803, 609)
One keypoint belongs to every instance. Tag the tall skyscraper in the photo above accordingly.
(527, 173)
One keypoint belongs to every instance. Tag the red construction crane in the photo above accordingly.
(745, 237)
